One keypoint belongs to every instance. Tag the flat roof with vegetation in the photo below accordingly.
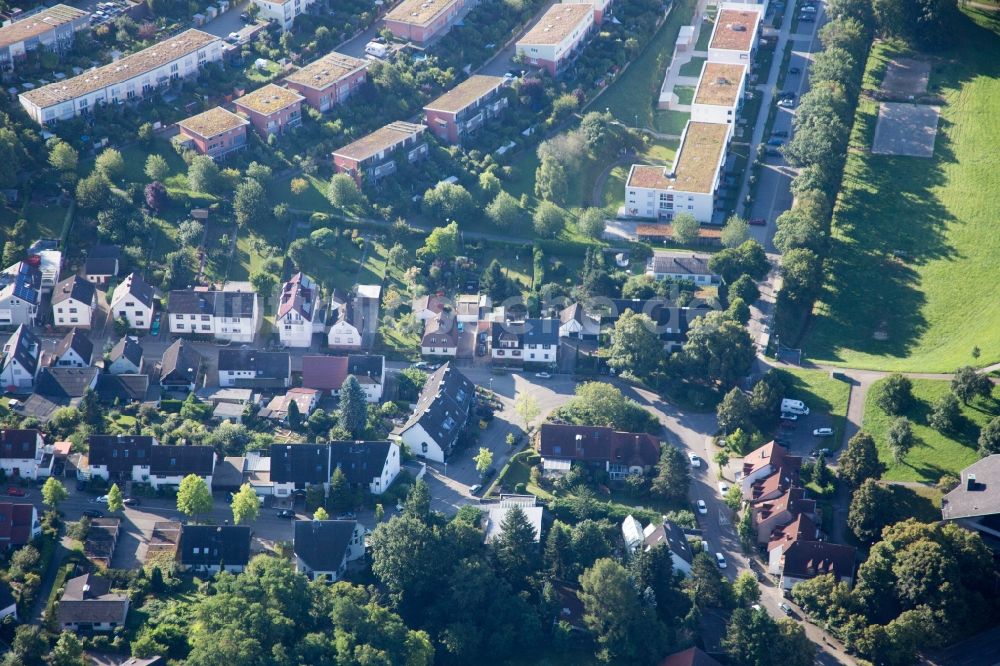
(269, 99)
(719, 84)
(558, 22)
(695, 166)
(735, 29)
(327, 70)
(213, 122)
(419, 12)
(39, 24)
(379, 140)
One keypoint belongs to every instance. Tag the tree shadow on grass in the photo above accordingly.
(910, 504)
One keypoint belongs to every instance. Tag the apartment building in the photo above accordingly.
(73, 303)
(421, 21)
(329, 81)
(282, 12)
(271, 109)
(53, 29)
(689, 185)
(126, 79)
(373, 156)
(719, 95)
(133, 300)
(602, 9)
(226, 315)
(735, 33)
(553, 42)
(466, 107)
(216, 132)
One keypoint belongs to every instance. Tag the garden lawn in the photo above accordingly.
(914, 246)
(935, 454)
(692, 67)
(820, 392)
(633, 94)
(685, 94)
(706, 33)
(671, 122)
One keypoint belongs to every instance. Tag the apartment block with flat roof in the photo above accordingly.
(328, 81)
(373, 156)
(129, 78)
(734, 36)
(216, 132)
(558, 35)
(53, 29)
(602, 9)
(271, 109)
(283, 12)
(719, 95)
(421, 21)
(466, 107)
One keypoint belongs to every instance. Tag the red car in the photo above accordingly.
(758, 222)
(15, 492)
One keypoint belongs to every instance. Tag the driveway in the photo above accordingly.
(227, 22)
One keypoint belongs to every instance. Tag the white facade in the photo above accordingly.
(72, 313)
(294, 330)
(16, 311)
(742, 21)
(715, 109)
(344, 334)
(16, 375)
(541, 353)
(123, 366)
(125, 304)
(355, 550)
(551, 53)
(234, 329)
(421, 444)
(439, 350)
(282, 13)
(389, 472)
(30, 468)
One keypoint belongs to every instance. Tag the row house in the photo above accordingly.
(329, 81)
(230, 314)
(602, 9)
(327, 374)
(421, 21)
(21, 359)
(129, 78)
(557, 37)
(465, 108)
(441, 415)
(719, 95)
(252, 368)
(53, 29)
(134, 300)
(689, 185)
(282, 12)
(211, 549)
(141, 459)
(617, 453)
(529, 341)
(734, 35)
(20, 294)
(370, 466)
(373, 156)
(299, 313)
(24, 454)
(216, 133)
(271, 109)
(73, 303)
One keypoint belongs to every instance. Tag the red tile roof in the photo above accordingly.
(801, 529)
(326, 373)
(772, 454)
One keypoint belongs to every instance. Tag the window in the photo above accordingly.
(423, 447)
(72, 310)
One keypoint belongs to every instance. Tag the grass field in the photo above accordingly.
(915, 241)
(935, 454)
(670, 121)
(692, 67)
(820, 392)
(685, 94)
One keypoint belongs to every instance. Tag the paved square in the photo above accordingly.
(906, 129)
(906, 76)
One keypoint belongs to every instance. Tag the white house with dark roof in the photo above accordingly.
(299, 311)
(20, 360)
(441, 415)
(530, 341)
(214, 548)
(179, 367)
(323, 548)
(440, 336)
(346, 326)
(133, 300)
(125, 357)
(252, 368)
(231, 314)
(20, 294)
(87, 603)
(102, 264)
(371, 466)
(24, 454)
(73, 303)
(682, 266)
(74, 350)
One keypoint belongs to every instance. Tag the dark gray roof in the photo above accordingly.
(664, 314)
(24, 281)
(88, 599)
(529, 332)
(179, 364)
(444, 405)
(78, 341)
(975, 496)
(129, 349)
(124, 388)
(101, 266)
(139, 289)
(6, 596)
(182, 460)
(104, 251)
(359, 461)
(364, 365)
(74, 287)
(24, 348)
(234, 303)
(322, 544)
(227, 545)
(300, 463)
(18, 443)
(681, 264)
(188, 301)
(266, 365)
(64, 382)
(669, 534)
(120, 452)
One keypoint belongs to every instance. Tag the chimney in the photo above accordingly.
(970, 482)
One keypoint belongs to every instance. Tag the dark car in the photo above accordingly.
(93, 513)
(489, 473)
(758, 222)
(347, 515)
(81, 484)
(780, 134)
(787, 94)
(131, 501)
(245, 17)
(14, 491)
(794, 70)
(775, 142)
(286, 513)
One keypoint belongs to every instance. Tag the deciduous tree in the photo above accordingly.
(548, 220)
(245, 505)
(156, 168)
(860, 461)
(871, 509)
(193, 496)
(894, 394)
(901, 438)
(116, 502)
(635, 347)
(53, 492)
(967, 384)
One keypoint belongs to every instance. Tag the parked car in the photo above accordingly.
(347, 515)
(777, 143)
(14, 491)
(704, 546)
(422, 365)
(794, 70)
(781, 134)
(488, 474)
(720, 560)
(758, 222)
(786, 609)
(131, 501)
(808, 9)
(786, 103)
(723, 487)
(103, 499)
(786, 94)
(695, 460)
(772, 152)
(93, 513)
(543, 375)
(807, 18)
(475, 488)
(245, 17)
(81, 484)
(823, 432)
(785, 416)
(285, 513)
(702, 507)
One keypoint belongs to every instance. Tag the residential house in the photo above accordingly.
(20, 294)
(494, 515)
(168, 465)
(55, 388)
(329, 81)
(327, 373)
(24, 455)
(471, 308)
(179, 367)
(421, 21)
(689, 185)
(73, 303)
(682, 267)
(557, 37)
(305, 400)
(252, 368)
(670, 535)
(102, 264)
(465, 108)
(125, 357)
(115, 457)
(618, 453)
(299, 308)
(323, 548)
(271, 109)
(297, 466)
(774, 514)
(129, 78)
(975, 502)
(282, 12)
(372, 157)
(214, 548)
(441, 414)
(530, 341)
(719, 95)
(49, 260)
(52, 29)
(19, 524)
(371, 466)
(734, 35)
(773, 486)
(670, 323)
(425, 308)
(802, 528)
(20, 362)
(217, 132)
(229, 403)
(346, 326)
(231, 314)
(440, 336)
(576, 322)
(101, 540)
(803, 560)
(690, 657)
(124, 389)
(87, 603)
(763, 462)
(74, 350)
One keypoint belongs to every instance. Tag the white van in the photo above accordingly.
(376, 49)
(794, 407)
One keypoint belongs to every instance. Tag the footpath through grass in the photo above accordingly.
(913, 260)
(934, 454)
